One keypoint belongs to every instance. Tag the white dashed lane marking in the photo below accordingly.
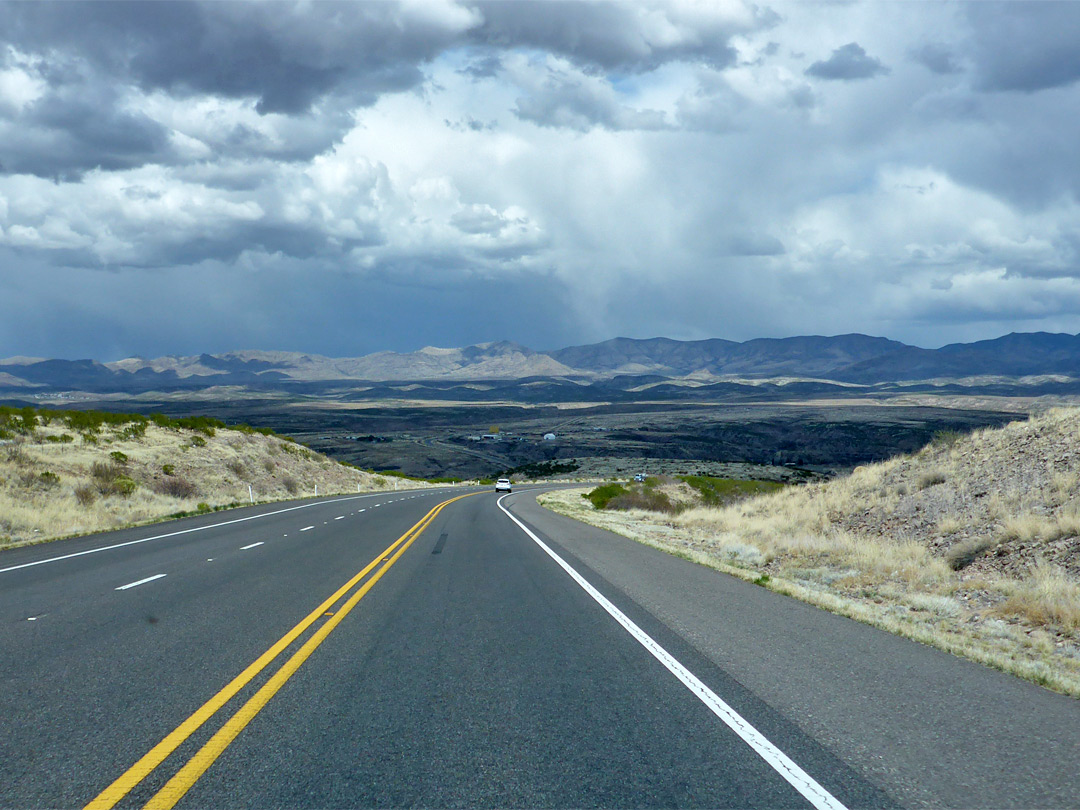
(139, 582)
(245, 548)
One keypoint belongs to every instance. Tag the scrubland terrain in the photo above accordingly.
(75, 473)
(971, 544)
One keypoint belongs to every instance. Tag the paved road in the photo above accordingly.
(467, 665)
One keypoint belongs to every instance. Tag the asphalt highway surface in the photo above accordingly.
(455, 648)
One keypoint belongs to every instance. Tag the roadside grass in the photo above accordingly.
(114, 473)
(933, 616)
(971, 545)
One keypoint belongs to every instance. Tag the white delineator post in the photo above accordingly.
(316, 490)
(251, 495)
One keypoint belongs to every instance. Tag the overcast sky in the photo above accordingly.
(345, 178)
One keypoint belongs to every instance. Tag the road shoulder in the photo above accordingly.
(926, 727)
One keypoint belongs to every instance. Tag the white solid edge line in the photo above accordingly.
(140, 582)
(814, 793)
(245, 548)
(182, 531)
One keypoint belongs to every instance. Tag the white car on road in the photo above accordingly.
(502, 485)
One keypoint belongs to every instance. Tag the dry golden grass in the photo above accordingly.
(48, 489)
(972, 545)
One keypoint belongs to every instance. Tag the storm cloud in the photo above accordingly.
(349, 177)
(848, 62)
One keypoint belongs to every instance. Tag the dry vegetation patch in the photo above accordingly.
(61, 476)
(972, 544)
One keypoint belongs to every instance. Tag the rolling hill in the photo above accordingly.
(851, 359)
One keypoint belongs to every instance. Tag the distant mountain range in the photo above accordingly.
(850, 359)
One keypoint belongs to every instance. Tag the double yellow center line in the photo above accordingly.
(176, 787)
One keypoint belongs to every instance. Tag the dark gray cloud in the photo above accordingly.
(936, 58)
(65, 134)
(1026, 46)
(619, 36)
(847, 63)
(312, 63)
(755, 244)
(286, 55)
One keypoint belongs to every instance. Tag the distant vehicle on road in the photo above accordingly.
(502, 485)
(639, 477)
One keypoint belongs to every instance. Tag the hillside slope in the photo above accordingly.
(972, 544)
(74, 473)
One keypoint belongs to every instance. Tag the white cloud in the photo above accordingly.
(20, 84)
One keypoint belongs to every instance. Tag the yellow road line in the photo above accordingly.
(197, 765)
(156, 755)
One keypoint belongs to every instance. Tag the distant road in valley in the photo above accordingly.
(454, 648)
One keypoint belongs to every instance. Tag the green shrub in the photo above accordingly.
(136, 430)
(203, 507)
(602, 495)
(109, 479)
(720, 491)
(198, 441)
(123, 485)
(28, 420)
(49, 479)
(245, 428)
(204, 424)
(168, 469)
(63, 438)
(644, 498)
(84, 421)
(119, 457)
